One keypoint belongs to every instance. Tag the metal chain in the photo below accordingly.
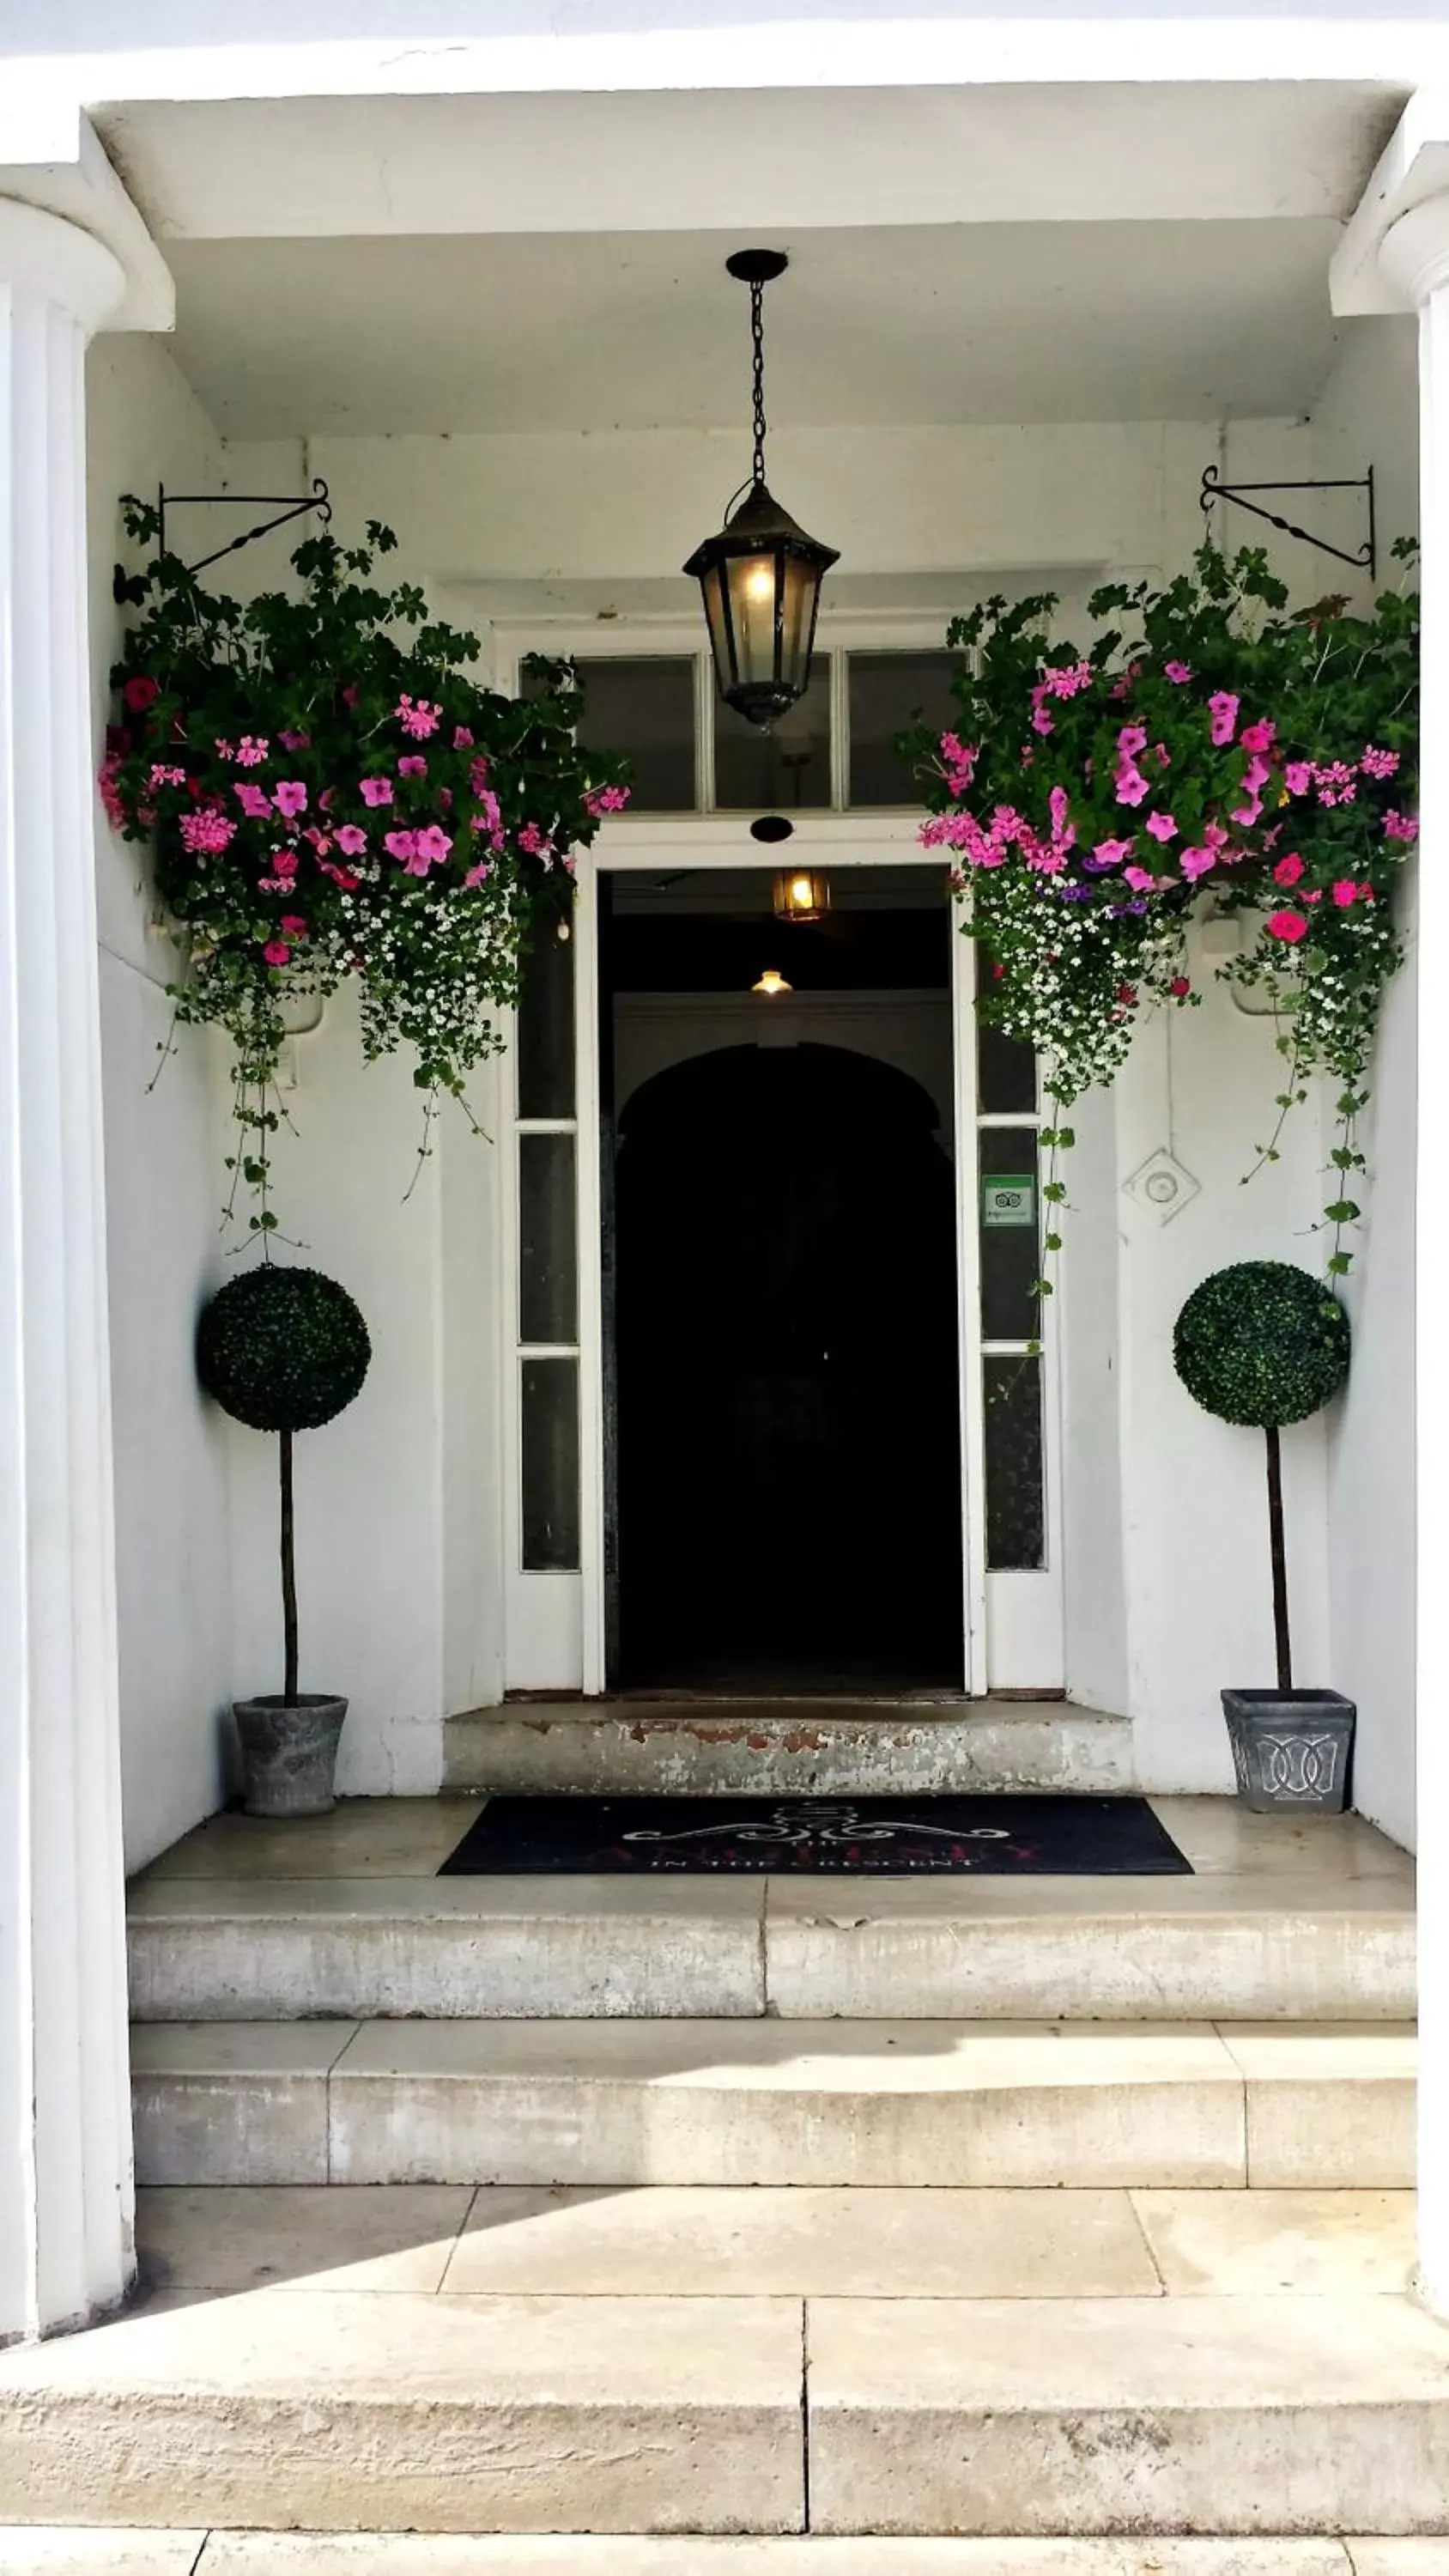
(757, 336)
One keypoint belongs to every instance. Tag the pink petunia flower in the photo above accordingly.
(351, 840)
(1195, 863)
(1223, 708)
(1288, 926)
(462, 737)
(478, 874)
(254, 801)
(1110, 854)
(433, 843)
(291, 796)
(412, 765)
(1177, 672)
(1162, 827)
(1141, 880)
(140, 692)
(295, 741)
(1259, 736)
(375, 791)
(403, 846)
(1298, 776)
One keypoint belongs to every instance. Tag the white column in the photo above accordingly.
(65, 2140)
(1415, 257)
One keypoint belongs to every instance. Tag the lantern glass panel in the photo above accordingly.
(784, 767)
(754, 581)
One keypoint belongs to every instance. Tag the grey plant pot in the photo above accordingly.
(289, 1755)
(1291, 1748)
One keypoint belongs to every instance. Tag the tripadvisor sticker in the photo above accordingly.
(1008, 1198)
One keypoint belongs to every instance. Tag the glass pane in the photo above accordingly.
(1005, 1067)
(888, 692)
(1010, 1259)
(786, 767)
(547, 1264)
(1015, 1527)
(550, 1424)
(546, 1027)
(644, 708)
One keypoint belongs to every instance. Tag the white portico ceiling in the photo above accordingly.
(891, 325)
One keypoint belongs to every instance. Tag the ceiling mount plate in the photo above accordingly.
(757, 267)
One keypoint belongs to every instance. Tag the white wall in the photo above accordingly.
(164, 1184)
(1369, 413)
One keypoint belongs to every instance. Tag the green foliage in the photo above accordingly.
(1204, 753)
(1262, 1342)
(282, 1349)
(331, 793)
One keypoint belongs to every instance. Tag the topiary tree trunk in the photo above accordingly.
(1280, 1560)
(289, 1576)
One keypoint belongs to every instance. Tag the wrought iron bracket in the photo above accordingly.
(1367, 557)
(287, 505)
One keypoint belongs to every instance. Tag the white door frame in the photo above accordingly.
(723, 841)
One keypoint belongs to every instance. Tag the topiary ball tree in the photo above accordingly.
(1264, 1343)
(283, 1350)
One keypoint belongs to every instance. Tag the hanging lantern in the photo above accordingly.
(760, 577)
(801, 894)
(771, 983)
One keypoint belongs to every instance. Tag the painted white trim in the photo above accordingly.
(592, 1562)
(968, 1307)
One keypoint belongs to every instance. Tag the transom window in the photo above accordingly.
(835, 749)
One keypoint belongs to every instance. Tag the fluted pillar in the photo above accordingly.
(65, 2149)
(1415, 259)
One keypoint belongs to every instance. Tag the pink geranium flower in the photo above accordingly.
(612, 800)
(276, 952)
(375, 791)
(164, 774)
(252, 749)
(140, 692)
(1289, 868)
(1289, 926)
(462, 737)
(1223, 708)
(1345, 892)
(1378, 764)
(412, 765)
(294, 925)
(206, 832)
(1401, 827)
(419, 718)
(291, 796)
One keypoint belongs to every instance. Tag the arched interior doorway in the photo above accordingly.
(789, 1483)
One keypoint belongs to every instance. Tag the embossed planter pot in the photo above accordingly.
(289, 1754)
(1291, 1748)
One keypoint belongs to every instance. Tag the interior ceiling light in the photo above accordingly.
(771, 983)
(802, 894)
(760, 577)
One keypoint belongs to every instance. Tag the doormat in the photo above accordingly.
(985, 1837)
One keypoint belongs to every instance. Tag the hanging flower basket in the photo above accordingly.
(332, 794)
(1206, 752)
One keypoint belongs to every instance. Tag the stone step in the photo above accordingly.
(342, 2410)
(252, 1949)
(97, 2552)
(775, 2102)
(701, 1747)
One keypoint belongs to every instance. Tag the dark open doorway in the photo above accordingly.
(785, 1465)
